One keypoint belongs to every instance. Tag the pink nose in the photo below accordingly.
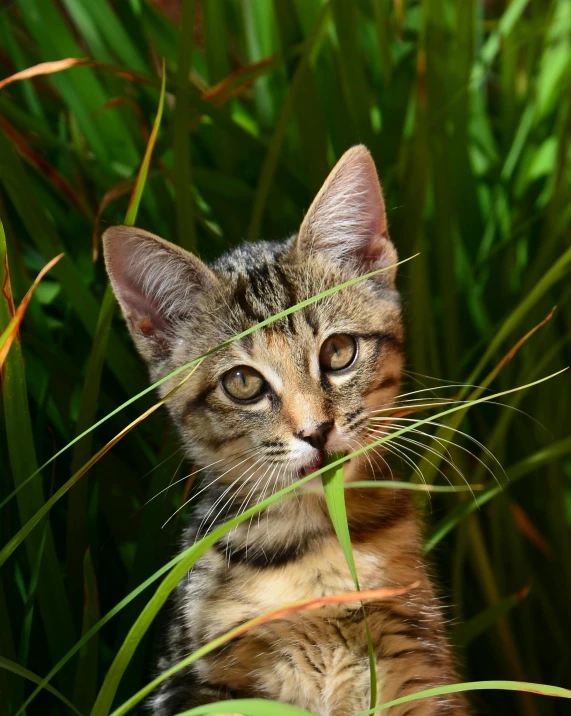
(316, 435)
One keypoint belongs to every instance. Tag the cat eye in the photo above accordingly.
(243, 383)
(337, 352)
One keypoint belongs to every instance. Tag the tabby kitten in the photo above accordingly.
(260, 414)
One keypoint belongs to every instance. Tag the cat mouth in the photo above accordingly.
(314, 465)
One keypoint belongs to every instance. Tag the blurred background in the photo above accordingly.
(466, 107)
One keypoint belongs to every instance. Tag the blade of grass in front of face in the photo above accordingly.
(76, 534)
(194, 361)
(333, 487)
(51, 595)
(180, 565)
(285, 611)
(17, 539)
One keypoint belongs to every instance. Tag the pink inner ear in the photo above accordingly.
(347, 221)
(155, 281)
(140, 311)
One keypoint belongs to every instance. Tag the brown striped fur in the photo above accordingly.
(177, 308)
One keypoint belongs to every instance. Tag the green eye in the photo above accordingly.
(243, 383)
(337, 352)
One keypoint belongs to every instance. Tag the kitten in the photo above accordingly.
(259, 414)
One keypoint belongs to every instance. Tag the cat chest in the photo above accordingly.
(223, 596)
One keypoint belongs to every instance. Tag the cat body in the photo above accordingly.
(258, 415)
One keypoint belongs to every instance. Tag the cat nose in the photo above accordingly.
(316, 435)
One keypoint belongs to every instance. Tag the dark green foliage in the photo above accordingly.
(466, 107)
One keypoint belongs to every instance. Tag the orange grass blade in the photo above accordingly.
(21, 535)
(44, 68)
(144, 168)
(120, 189)
(366, 595)
(11, 331)
(42, 165)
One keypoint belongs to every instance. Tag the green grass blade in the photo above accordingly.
(180, 565)
(333, 487)
(181, 130)
(194, 361)
(288, 106)
(464, 633)
(27, 674)
(247, 707)
(460, 512)
(51, 595)
(521, 686)
(96, 361)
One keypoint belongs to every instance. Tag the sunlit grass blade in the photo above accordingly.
(11, 330)
(44, 68)
(96, 361)
(333, 485)
(305, 605)
(248, 707)
(461, 511)
(21, 535)
(194, 361)
(270, 163)
(21, 459)
(541, 689)
(27, 674)
(180, 565)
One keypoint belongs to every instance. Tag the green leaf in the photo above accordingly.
(333, 487)
(540, 689)
(27, 674)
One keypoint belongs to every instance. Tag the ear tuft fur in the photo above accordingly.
(156, 284)
(347, 220)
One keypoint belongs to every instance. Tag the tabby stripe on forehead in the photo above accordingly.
(242, 301)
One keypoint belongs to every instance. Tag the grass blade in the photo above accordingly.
(27, 674)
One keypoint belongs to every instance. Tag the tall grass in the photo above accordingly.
(466, 107)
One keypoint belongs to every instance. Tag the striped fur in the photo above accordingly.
(177, 308)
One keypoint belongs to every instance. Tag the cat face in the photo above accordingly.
(263, 410)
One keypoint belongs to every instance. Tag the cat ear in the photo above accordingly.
(156, 284)
(347, 222)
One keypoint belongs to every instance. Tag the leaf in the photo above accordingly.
(194, 361)
(466, 632)
(11, 330)
(27, 674)
(541, 689)
(295, 607)
(44, 68)
(180, 565)
(247, 707)
(333, 487)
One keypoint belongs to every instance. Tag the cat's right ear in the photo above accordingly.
(156, 283)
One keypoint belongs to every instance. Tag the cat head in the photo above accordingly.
(266, 407)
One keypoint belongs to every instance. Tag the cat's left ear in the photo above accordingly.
(347, 222)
